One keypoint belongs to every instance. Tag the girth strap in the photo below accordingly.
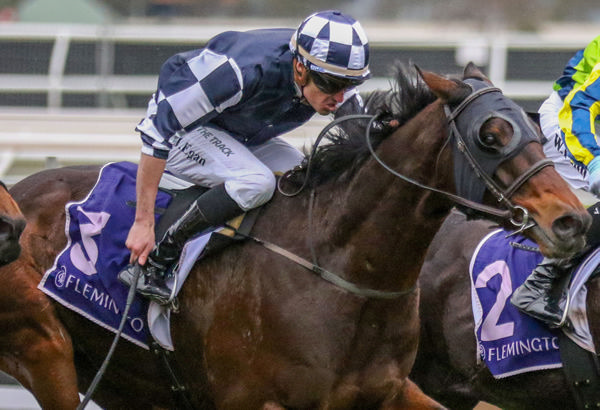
(178, 388)
(582, 371)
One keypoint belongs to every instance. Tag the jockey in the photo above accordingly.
(215, 120)
(567, 119)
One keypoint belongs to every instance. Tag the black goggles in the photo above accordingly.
(330, 84)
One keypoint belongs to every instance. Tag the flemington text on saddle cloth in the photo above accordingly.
(509, 342)
(84, 275)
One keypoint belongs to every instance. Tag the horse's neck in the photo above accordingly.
(383, 224)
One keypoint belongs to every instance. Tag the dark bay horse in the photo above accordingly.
(12, 224)
(446, 367)
(256, 330)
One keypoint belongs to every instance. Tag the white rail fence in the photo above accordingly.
(40, 139)
(33, 138)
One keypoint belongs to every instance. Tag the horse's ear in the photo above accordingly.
(472, 71)
(447, 90)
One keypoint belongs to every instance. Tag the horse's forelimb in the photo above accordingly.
(411, 398)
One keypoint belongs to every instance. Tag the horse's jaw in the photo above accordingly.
(555, 249)
(561, 221)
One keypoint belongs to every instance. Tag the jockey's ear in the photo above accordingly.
(300, 73)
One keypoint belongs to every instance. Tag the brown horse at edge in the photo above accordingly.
(12, 223)
(447, 367)
(255, 330)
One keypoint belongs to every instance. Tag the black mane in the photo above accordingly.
(344, 147)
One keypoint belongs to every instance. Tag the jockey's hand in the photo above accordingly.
(594, 175)
(140, 241)
(385, 126)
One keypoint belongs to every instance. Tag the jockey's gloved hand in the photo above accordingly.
(384, 126)
(594, 175)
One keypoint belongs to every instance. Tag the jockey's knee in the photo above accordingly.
(251, 190)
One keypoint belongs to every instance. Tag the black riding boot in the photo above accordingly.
(211, 209)
(534, 297)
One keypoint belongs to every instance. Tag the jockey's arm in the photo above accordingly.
(141, 240)
(186, 99)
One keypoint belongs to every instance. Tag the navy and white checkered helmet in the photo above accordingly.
(334, 43)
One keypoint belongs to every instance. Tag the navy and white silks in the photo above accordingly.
(218, 111)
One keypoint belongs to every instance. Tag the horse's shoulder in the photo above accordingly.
(448, 257)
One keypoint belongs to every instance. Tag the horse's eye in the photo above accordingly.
(487, 139)
(493, 134)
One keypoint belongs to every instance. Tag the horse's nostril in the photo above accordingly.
(569, 226)
(12, 228)
(19, 227)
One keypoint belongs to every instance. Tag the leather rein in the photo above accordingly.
(517, 215)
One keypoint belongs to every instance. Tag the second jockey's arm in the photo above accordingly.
(141, 240)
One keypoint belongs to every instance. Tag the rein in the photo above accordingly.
(98, 377)
(325, 274)
(516, 214)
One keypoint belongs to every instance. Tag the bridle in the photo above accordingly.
(517, 215)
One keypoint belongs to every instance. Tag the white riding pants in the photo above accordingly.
(208, 156)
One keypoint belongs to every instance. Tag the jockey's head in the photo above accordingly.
(334, 49)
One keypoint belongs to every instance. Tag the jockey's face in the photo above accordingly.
(323, 102)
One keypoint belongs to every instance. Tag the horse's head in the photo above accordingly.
(498, 153)
(12, 224)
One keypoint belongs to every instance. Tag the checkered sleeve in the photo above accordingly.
(192, 88)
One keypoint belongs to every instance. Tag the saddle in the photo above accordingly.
(92, 260)
(498, 261)
(235, 230)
